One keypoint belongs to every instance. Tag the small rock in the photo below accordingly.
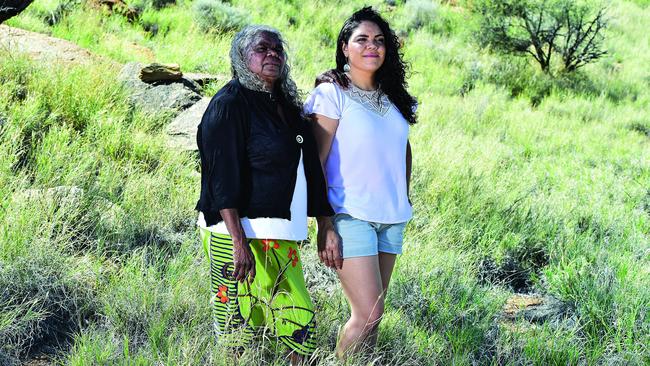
(182, 130)
(160, 72)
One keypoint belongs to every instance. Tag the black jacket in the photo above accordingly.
(249, 157)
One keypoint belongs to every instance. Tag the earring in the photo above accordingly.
(346, 67)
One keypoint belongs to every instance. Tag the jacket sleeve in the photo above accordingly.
(317, 201)
(221, 140)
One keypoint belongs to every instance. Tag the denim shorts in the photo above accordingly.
(363, 238)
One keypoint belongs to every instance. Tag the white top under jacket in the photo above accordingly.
(275, 228)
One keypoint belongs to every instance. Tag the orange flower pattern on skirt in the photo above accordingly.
(277, 299)
(223, 294)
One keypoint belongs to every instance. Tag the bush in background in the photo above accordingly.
(159, 4)
(215, 16)
(420, 14)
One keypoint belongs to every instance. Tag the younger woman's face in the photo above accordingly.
(366, 48)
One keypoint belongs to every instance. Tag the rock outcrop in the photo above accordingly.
(160, 96)
(42, 47)
(182, 130)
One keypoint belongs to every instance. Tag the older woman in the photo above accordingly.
(361, 127)
(260, 178)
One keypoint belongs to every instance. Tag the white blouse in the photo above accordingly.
(366, 166)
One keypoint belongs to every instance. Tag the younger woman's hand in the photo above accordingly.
(329, 244)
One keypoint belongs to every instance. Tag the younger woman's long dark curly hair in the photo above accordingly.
(391, 76)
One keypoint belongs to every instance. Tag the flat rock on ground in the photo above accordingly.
(43, 47)
(182, 130)
(534, 308)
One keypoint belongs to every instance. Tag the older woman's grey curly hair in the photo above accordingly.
(241, 45)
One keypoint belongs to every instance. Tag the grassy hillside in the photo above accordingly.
(522, 183)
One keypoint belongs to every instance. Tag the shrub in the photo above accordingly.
(420, 13)
(520, 80)
(543, 28)
(213, 15)
(62, 9)
(159, 4)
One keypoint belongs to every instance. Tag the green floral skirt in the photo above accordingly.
(276, 299)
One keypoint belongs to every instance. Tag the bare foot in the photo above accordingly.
(296, 359)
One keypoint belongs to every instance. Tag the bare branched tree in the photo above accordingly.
(543, 28)
(584, 37)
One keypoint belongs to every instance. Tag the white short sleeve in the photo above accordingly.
(325, 100)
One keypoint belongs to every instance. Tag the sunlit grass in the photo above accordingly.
(509, 166)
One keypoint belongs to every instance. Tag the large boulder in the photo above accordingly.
(160, 96)
(182, 130)
(45, 48)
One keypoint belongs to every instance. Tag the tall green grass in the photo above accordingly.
(521, 183)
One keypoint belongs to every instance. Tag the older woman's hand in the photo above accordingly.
(329, 244)
(243, 259)
(242, 255)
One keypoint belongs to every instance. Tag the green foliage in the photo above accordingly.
(521, 181)
(420, 14)
(216, 16)
(542, 28)
(159, 4)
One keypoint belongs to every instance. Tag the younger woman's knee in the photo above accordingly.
(375, 317)
(374, 314)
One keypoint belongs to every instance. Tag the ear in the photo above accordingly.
(344, 48)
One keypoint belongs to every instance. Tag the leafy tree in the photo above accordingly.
(572, 30)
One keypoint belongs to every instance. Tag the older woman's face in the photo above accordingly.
(266, 57)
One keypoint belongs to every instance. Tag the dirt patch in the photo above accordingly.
(534, 308)
(38, 360)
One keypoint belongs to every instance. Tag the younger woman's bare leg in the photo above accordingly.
(386, 265)
(362, 285)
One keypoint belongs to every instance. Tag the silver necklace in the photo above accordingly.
(373, 100)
